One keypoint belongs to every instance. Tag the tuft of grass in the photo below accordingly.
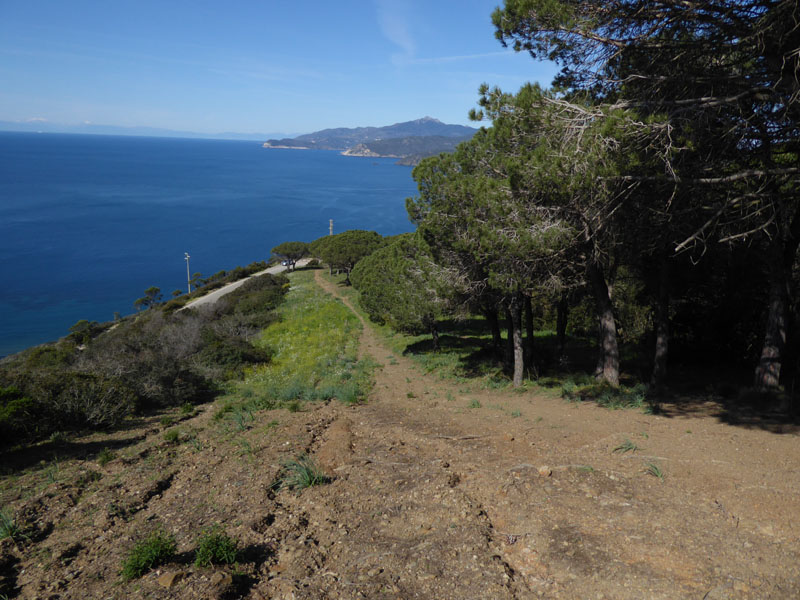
(167, 421)
(626, 446)
(172, 436)
(9, 527)
(105, 456)
(301, 473)
(474, 403)
(153, 551)
(654, 469)
(187, 409)
(410, 395)
(215, 547)
(516, 413)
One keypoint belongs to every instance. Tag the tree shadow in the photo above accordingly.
(19, 459)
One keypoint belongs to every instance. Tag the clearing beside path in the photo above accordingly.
(440, 490)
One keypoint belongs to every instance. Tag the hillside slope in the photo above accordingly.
(440, 489)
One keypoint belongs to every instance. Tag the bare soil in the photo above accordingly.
(439, 491)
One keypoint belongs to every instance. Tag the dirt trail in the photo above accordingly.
(440, 491)
(565, 515)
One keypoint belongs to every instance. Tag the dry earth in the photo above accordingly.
(433, 497)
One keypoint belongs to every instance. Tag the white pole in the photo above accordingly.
(188, 278)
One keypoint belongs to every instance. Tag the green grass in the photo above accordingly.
(153, 551)
(172, 436)
(9, 527)
(215, 547)
(626, 446)
(584, 388)
(474, 403)
(105, 456)
(315, 345)
(654, 469)
(301, 473)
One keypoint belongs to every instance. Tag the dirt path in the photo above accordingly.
(215, 295)
(558, 513)
(440, 490)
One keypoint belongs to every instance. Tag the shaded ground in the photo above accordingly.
(439, 491)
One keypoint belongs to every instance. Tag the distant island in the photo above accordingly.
(409, 142)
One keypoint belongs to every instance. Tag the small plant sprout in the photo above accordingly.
(516, 413)
(626, 446)
(474, 403)
(654, 469)
(301, 473)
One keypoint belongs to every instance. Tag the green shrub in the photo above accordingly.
(215, 547)
(16, 414)
(155, 550)
(172, 436)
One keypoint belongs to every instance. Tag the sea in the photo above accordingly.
(87, 223)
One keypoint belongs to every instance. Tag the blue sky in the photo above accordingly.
(251, 66)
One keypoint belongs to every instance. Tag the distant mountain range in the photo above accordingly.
(410, 141)
(37, 126)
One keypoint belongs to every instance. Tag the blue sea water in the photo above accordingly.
(87, 223)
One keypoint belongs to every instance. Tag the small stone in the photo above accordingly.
(220, 579)
(169, 579)
(545, 471)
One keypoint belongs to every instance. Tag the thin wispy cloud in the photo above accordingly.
(463, 57)
(393, 23)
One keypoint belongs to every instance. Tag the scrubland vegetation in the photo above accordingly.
(98, 376)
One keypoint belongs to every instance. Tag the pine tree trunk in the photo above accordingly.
(661, 324)
(608, 359)
(529, 341)
(562, 310)
(508, 357)
(768, 371)
(515, 311)
(782, 257)
(435, 336)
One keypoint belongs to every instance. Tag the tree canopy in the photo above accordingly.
(343, 250)
(291, 252)
(402, 286)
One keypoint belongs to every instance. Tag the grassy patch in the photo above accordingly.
(105, 456)
(587, 389)
(626, 446)
(301, 473)
(153, 551)
(315, 347)
(9, 527)
(215, 547)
